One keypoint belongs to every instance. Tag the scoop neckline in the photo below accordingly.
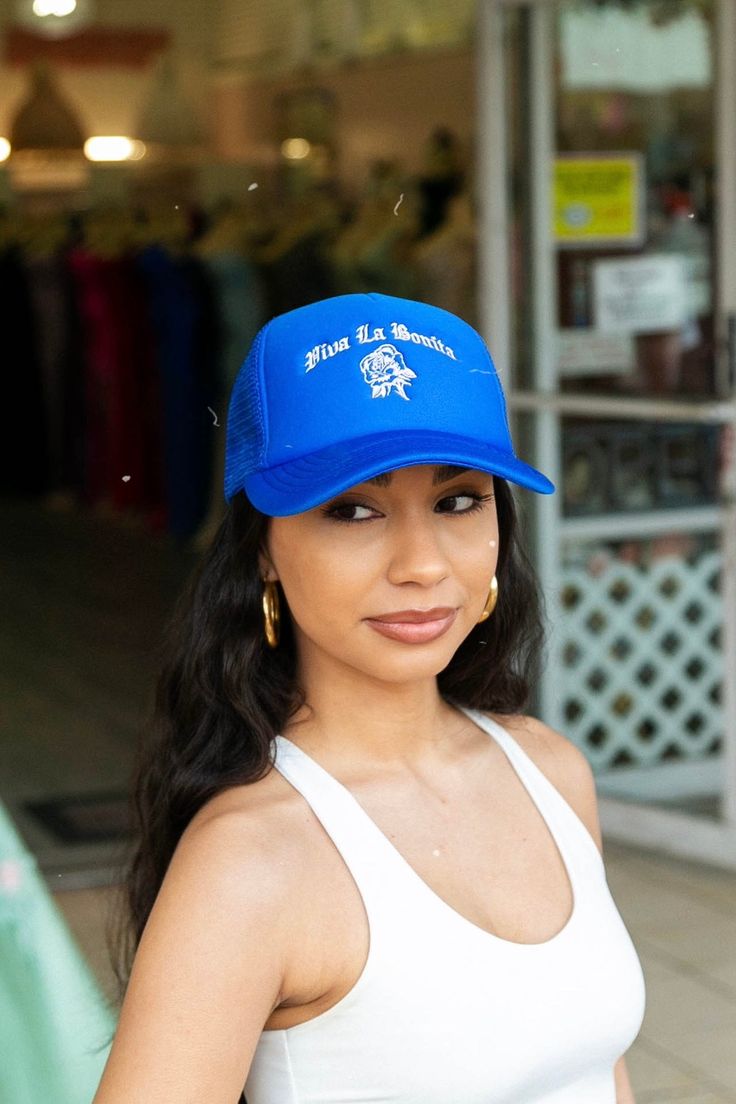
(481, 933)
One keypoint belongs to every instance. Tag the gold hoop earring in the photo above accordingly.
(491, 601)
(271, 612)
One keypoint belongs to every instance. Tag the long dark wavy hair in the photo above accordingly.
(222, 694)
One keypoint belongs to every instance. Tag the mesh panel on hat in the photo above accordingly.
(246, 439)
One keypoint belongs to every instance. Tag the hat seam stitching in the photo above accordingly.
(263, 396)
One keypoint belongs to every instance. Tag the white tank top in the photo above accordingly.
(445, 1012)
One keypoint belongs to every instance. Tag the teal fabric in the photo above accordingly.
(54, 1023)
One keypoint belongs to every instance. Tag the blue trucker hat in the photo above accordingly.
(343, 389)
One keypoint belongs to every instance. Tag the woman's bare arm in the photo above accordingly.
(208, 972)
(624, 1091)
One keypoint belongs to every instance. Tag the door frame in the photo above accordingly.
(649, 826)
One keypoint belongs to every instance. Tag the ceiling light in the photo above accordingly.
(60, 8)
(54, 18)
(295, 149)
(113, 147)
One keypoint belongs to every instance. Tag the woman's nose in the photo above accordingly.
(416, 552)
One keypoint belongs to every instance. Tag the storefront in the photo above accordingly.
(589, 146)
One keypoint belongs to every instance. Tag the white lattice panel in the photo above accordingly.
(641, 661)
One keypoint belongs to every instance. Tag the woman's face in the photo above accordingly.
(412, 539)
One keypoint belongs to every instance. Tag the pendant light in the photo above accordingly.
(46, 139)
(54, 18)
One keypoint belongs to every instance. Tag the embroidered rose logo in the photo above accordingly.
(385, 369)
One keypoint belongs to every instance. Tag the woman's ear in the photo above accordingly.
(266, 567)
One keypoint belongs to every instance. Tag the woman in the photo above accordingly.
(412, 908)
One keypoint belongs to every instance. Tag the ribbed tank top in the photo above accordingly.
(445, 1012)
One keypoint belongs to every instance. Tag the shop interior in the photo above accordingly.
(163, 194)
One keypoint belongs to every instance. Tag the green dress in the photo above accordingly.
(54, 1024)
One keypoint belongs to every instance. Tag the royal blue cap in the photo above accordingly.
(343, 389)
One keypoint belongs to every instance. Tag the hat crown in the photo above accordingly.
(344, 388)
(357, 365)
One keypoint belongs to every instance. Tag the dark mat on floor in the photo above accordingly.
(86, 818)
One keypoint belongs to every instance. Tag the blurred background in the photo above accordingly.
(562, 174)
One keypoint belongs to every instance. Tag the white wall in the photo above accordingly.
(385, 108)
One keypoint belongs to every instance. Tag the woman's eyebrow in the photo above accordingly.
(442, 473)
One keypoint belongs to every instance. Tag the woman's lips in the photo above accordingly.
(409, 632)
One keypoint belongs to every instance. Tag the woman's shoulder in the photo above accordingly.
(267, 807)
(562, 761)
(537, 738)
(249, 835)
(252, 838)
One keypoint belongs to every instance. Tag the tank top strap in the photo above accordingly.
(561, 818)
(367, 853)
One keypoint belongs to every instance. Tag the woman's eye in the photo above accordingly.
(476, 502)
(466, 503)
(343, 511)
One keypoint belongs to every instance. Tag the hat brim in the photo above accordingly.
(308, 481)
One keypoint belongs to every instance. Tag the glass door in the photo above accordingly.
(609, 202)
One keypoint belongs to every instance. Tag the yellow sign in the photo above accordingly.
(598, 199)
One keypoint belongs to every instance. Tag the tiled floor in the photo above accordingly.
(83, 599)
(682, 919)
